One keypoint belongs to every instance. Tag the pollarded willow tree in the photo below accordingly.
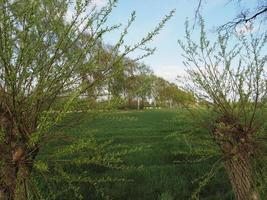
(229, 75)
(47, 47)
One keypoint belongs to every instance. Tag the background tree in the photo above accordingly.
(138, 85)
(168, 94)
(231, 78)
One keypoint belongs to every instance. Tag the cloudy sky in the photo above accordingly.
(167, 61)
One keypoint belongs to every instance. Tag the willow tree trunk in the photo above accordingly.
(8, 182)
(240, 174)
(14, 174)
(237, 147)
(15, 161)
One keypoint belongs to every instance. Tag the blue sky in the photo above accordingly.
(167, 60)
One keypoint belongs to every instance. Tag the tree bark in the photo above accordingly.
(237, 147)
(8, 177)
(14, 170)
(14, 177)
(240, 174)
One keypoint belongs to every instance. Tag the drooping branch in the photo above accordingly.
(244, 17)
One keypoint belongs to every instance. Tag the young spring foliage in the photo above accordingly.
(229, 77)
(45, 51)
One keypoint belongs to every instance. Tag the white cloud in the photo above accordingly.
(169, 72)
(99, 3)
(246, 28)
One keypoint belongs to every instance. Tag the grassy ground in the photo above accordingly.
(163, 167)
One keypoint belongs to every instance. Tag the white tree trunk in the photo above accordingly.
(170, 103)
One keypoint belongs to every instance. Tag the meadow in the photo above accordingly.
(167, 156)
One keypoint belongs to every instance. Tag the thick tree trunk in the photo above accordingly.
(8, 177)
(15, 164)
(237, 147)
(240, 174)
(23, 175)
(14, 179)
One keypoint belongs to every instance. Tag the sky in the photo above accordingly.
(167, 60)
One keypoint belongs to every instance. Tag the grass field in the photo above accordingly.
(163, 166)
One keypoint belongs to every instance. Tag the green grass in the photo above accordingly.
(163, 137)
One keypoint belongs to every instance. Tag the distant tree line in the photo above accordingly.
(131, 85)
